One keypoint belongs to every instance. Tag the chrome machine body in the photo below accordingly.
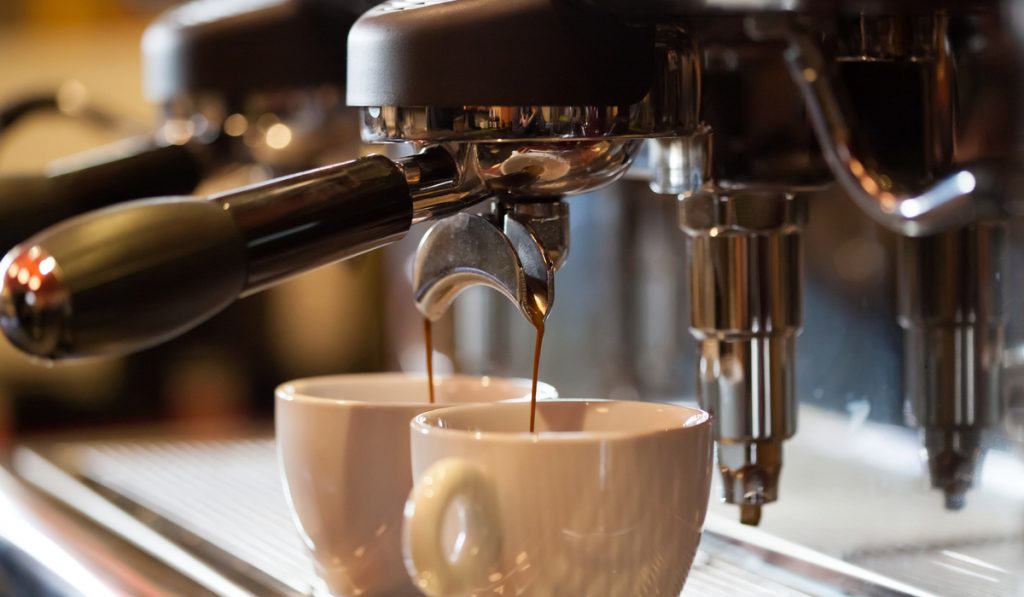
(750, 110)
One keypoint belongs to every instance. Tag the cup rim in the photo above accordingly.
(420, 423)
(290, 391)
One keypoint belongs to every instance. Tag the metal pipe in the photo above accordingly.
(745, 287)
(956, 199)
(951, 312)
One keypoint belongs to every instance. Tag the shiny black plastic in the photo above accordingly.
(236, 48)
(496, 52)
(121, 279)
(30, 203)
(134, 275)
(299, 222)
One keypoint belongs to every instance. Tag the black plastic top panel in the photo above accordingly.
(675, 8)
(496, 53)
(236, 47)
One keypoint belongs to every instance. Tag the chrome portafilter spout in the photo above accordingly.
(516, 251)
(745, 288)
(952, 317)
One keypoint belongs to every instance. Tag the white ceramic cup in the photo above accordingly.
(343, 449)
(606, 500)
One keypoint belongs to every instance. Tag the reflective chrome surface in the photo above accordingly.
(258, 543)
(745, 309)
(932, 333)
(530, 169)
(954, 325)
(954, 199)
(890, 37)
(48, 549)
(35, 301)
(530, 151)
(671, 108)
(518, 260)
(680, 165)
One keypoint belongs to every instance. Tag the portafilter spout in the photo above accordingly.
(515, 250)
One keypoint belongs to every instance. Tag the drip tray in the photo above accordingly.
(223, 502)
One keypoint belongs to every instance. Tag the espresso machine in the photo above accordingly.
(751, 116)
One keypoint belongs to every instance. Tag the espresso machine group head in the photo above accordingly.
(521, 102)
(539, 105)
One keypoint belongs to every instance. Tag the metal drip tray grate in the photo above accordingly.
(223, 501)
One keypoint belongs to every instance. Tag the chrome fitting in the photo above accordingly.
(745, 309)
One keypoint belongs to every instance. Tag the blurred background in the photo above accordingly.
(87, 53)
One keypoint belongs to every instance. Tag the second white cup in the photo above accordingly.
(606, 499)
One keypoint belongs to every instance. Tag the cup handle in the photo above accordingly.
(434, 570)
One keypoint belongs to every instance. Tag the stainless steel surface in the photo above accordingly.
(57, 553)
(217, 506)
(890, 37)
(856, 491)
(670, 108)
(679, 165)
(223, 501)
(541, 151)
(443, 180)
(762, 138)
(952, 315)
(954, 199)
(542, 169)
(981, 569)
(518, 259)
(745, 309)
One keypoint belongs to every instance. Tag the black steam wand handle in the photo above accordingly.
(131, 276)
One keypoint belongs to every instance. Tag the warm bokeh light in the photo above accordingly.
(236, 125)
(279, 136)
(72, 96)
(46, 265)
(178, 131)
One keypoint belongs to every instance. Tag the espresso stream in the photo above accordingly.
(538, 324)
(428, 337)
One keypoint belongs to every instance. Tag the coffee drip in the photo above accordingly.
(538, 324)
(428, 339)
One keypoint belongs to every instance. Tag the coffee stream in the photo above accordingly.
(538, 324)
(428, 337)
